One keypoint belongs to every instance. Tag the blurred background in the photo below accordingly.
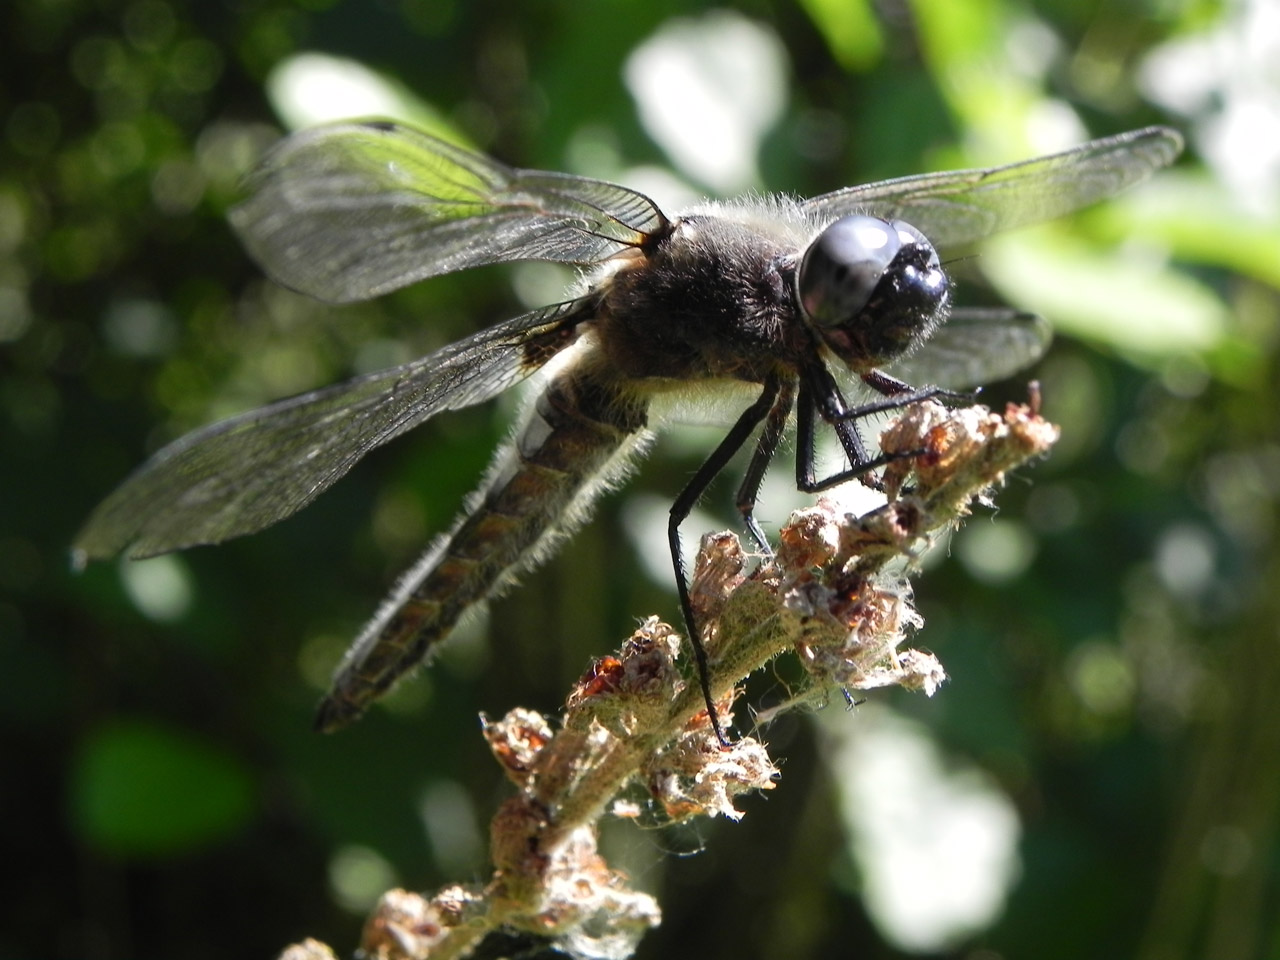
(1099, 778)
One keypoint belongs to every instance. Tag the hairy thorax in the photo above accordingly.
(726, 292)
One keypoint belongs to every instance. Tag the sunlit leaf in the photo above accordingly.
(1131, 303)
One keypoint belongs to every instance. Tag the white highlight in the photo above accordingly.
(314, 88)
(358, 875)
(160, 587)
(645, 517)
(996, 551)
(1227, 84)
(1186, 557)
(708, 91)
(935, 840)
(450, 821)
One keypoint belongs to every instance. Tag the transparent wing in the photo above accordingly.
(958, 208)
(246, 473)
(976, 346)
(350, 211)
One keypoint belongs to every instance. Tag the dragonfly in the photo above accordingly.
(777, 301)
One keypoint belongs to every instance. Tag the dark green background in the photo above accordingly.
(162, 794)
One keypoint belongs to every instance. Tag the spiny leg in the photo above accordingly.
(889, 386)
(683, 506)
(749, 490)
(820, 396)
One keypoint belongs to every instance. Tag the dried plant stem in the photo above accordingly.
(835, 592)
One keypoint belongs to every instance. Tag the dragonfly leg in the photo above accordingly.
(683, 506)
(846, 430)
(774, 426)
(891, 386)
(820, 396)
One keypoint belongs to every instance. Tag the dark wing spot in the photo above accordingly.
(538, 350)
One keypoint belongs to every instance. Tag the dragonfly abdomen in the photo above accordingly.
(572, 445)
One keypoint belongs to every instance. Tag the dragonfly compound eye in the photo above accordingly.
(842, 267)
(872, 287)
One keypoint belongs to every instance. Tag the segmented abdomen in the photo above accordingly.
(575, 441)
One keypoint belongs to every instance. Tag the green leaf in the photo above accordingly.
(142, 790)
(850, 29)
(1138, 306)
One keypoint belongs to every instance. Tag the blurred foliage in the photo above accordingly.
(1113, 647)
(141, 791)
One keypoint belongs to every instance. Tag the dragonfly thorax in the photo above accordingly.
(725, 293)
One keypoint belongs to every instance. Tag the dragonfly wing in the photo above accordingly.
(246, 473)
(350, 211)
(956, 209)
(974, 347)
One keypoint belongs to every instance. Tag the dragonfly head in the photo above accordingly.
(872, 289)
